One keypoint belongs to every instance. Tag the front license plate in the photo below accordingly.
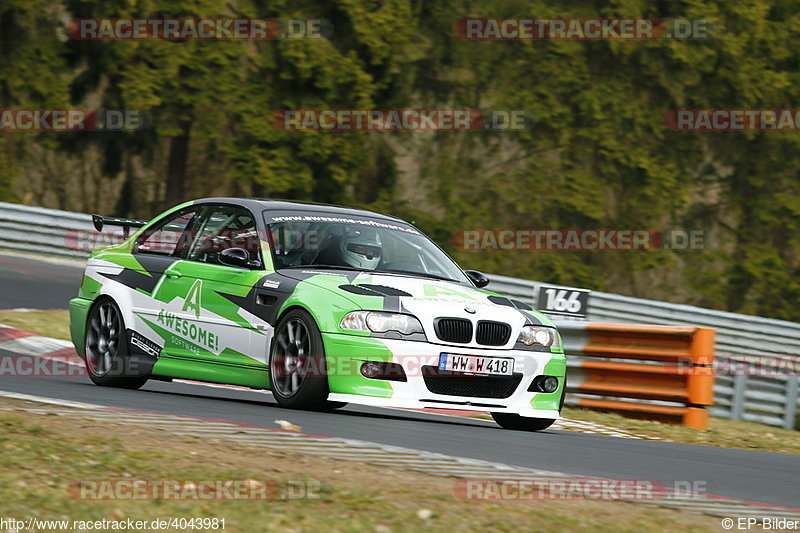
(476, 364)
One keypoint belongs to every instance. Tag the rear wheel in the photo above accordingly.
(107, 355)
(521, 423)
(298, 375)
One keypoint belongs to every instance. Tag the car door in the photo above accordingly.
(215, 324)
(154, 252)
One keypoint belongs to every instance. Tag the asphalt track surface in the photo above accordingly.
(755, 476)
(29, 283)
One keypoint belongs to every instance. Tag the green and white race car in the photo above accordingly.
(322, 305)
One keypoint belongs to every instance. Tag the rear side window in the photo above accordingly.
(167, 237)
(223, 227)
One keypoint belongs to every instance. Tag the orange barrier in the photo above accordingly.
(669, 369)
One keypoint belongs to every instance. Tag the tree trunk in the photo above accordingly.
(126, 203)
(176, 166)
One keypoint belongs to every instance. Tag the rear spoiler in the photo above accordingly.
(126, 223)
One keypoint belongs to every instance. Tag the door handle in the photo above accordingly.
(172, 274)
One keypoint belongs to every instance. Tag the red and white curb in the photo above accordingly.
(372, 453)
(24, 343)
(583, 426)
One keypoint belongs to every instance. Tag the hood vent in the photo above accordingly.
(384, 290)
(366, 289)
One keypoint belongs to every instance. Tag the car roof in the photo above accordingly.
(255, 204)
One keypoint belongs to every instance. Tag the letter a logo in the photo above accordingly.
(193, 298)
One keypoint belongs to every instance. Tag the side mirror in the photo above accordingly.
(478, 278)
(235, 257)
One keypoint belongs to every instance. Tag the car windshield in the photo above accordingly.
(364, 244)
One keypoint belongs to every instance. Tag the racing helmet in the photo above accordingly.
(361, 248)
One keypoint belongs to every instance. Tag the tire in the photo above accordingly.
(331, 406)
(108, 360)
(298, 375)
(521, 423)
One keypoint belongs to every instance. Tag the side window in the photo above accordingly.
(222, 227)
(168, 237)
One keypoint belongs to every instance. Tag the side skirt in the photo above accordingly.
(169, 367)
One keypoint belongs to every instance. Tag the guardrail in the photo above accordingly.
(764, 398)
(656, 372)
(740, 394)
(42, 230)
(770, 400)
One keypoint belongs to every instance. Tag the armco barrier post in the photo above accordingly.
(790, 409)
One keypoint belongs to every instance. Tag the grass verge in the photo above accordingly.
(720, 433)
(51, 323)
(43, 454)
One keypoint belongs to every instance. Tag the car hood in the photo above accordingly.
(425, 298)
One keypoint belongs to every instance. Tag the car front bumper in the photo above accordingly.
(423, 389)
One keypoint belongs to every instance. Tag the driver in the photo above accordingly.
(361, 249)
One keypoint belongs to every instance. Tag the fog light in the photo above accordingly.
(383, 370)
(370, 370)
(544, 384)
(550, 384)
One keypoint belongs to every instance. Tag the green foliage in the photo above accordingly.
(598, 154)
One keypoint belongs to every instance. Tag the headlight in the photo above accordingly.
(379, 322)
(539, 336)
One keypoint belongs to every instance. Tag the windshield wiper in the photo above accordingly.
(413, 273)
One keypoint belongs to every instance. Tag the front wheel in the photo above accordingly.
(108, 360)
(521, 423)
(298, 375)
